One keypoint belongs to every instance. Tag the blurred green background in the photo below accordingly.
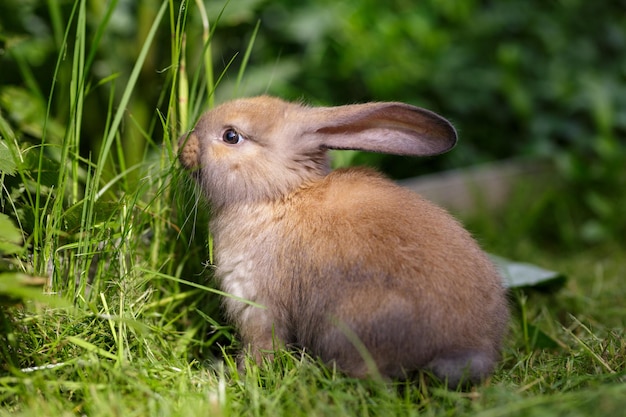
(518, 79)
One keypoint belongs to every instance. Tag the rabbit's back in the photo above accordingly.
(355, 256)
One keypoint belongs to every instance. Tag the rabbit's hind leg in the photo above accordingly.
(462, 367)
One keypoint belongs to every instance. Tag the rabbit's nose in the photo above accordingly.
(189, 154)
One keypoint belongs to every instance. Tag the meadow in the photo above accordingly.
(107, 306)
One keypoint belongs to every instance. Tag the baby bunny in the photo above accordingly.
(354, 269)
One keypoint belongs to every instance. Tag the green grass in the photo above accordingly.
(138, 364)
(129, 324)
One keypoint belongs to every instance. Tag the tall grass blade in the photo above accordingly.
(246, 58)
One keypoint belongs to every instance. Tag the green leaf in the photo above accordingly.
(8, 248)
(49, 168)
(103, 210)
(28, 113)
(520, 274)
(7, 164)
(17, 287)
(10, 236)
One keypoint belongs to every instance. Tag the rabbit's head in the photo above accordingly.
(263, 148)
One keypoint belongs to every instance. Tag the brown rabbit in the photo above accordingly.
(356, 270)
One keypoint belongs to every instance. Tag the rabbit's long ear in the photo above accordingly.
(394, 128)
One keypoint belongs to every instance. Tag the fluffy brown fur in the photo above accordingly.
(343, 259)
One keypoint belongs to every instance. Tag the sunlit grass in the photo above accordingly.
(74, 366)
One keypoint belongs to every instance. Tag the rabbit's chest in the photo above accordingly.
(237, 276)
(247, 254)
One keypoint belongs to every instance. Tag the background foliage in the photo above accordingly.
(518, 80)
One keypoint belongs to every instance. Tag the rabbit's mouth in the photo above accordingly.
(189, 154)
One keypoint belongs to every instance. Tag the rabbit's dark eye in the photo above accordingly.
(231, 137)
